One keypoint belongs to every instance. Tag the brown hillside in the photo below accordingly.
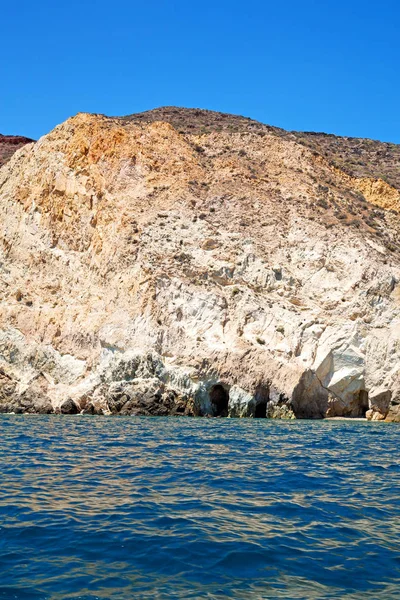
(355, 156)
(10, 144)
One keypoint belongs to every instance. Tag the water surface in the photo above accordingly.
(94, 507)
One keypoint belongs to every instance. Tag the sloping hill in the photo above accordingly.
(358, 157)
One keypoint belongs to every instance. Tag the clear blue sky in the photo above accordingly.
(298, 64)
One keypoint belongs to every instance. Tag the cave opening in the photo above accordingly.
(363, 402)
(261, 411)
(219, 398)
(261, 397)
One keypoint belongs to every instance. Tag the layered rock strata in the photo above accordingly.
(192, 269)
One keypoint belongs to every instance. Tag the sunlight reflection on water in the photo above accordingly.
(94, 507)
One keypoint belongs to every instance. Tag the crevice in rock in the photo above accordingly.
(261, 397)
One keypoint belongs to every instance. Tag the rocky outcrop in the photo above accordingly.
(192, 269)
(33, 399)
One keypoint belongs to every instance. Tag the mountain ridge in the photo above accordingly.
(349, 153)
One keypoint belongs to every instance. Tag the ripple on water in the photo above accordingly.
(198, 508)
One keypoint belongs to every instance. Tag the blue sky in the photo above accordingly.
(305, 65)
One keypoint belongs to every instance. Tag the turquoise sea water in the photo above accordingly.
(96, 507)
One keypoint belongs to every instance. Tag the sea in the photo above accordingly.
(185, 508)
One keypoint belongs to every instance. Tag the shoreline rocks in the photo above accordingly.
(145, 386)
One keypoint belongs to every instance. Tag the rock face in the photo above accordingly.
(183, 262)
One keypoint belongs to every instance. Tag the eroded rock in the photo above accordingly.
(138, 273)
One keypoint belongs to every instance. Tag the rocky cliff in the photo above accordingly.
(189, 262)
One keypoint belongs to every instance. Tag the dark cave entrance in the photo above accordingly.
(261, 397)
(261, 411)
(363, 402)
(219, 398)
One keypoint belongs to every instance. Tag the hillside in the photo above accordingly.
(356, 156)
(182, 261)
(10, 144)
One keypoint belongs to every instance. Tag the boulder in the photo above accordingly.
(68, 407)
(379, 403)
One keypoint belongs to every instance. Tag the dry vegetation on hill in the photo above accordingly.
(198, 121)
(355, 156)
